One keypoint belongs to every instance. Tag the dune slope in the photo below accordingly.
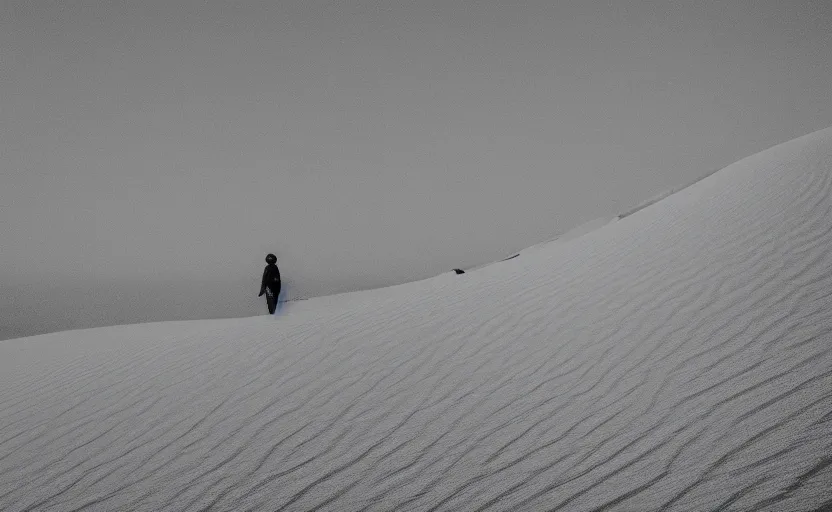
(677, 359)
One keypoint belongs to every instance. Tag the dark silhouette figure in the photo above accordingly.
(459, 271)
(271, 283)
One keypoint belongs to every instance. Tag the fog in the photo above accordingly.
(151, 154)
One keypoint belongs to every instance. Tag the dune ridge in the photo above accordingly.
(679, 358)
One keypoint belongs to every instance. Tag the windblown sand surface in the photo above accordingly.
(677, 359)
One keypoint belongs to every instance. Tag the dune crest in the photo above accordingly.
(679, 358)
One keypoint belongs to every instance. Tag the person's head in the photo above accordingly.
(271, 259)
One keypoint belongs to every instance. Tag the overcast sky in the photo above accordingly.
(161, 148)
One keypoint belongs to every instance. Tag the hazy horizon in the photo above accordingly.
(151, 154)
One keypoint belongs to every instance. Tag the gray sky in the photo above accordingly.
(150, 149)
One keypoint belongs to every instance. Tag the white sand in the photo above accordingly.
(677, 359)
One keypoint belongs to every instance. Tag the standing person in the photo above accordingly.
(271, 283)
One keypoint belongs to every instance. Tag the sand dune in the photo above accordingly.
(677, 359)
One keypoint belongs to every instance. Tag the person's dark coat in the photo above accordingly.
(271, 280)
